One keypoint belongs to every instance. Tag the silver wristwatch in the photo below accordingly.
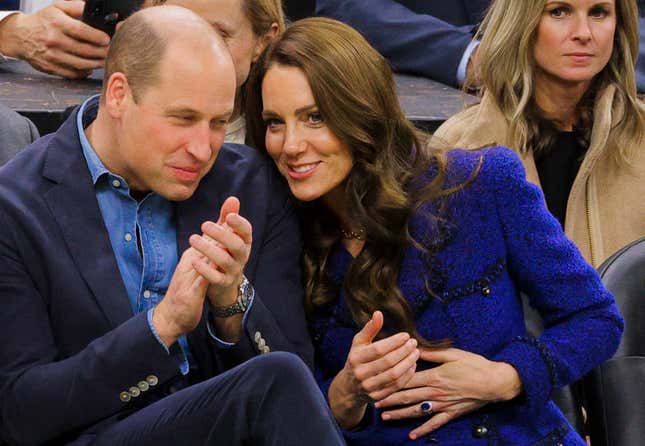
(245, 294)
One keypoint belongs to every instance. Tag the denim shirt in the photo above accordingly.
(142, 234)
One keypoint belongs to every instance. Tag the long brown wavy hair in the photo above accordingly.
(354, 90)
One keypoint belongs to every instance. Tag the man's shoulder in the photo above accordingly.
(233, 155)
(27, 163)
(242, 162)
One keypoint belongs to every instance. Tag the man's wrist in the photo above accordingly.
(8, 35)
(244, 294)
(164, 328)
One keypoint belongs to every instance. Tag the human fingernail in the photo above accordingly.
(386, 416)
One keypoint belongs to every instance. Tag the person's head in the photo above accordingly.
(247, 26)
(323, 104)
(578, 44)
(323, 95)
(168, 92)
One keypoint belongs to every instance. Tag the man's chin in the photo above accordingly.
(178, 192)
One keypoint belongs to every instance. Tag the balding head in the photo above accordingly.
(142, 42)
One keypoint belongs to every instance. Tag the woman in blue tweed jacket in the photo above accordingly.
(415, 259)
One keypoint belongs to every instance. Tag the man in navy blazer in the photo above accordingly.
(118, 325)
(430, 38)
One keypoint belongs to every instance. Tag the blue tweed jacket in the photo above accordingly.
(500, 240)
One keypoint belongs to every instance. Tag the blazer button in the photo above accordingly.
(134, 391)
(257, 336)
(265, 349)
(143, 386)
(261, 343)
(480, 431)
(124, 396)
(152, 380)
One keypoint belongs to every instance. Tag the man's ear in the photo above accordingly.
(265, 40)
(117, 94)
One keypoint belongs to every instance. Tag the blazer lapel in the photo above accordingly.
(73, 204)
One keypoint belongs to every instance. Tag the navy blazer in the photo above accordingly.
(426, 37)
(71, 344)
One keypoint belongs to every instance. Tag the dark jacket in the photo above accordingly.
(71, 344)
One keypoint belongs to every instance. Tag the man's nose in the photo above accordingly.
(200, 143)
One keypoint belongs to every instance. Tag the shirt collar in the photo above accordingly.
(86, 115)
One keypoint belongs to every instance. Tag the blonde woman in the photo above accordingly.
(559, 89)
(247, 27)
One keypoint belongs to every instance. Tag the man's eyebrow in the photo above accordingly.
(192, 112)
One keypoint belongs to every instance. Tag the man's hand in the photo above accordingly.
(53, 40)
(180, 310)
(225, 247)
(464, 382)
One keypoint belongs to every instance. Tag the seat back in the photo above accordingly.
(615, 391)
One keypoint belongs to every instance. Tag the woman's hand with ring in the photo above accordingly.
(464, 382)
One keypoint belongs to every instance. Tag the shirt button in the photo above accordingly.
(143, 386)
(116, 183)
(124, 396)
(147, 294)
(128, 237)
(152, 380)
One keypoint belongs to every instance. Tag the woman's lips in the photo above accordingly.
(301, 171)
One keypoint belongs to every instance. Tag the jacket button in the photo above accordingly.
(125, 397)
(265, 349)
(152, 380)
(480, 431)
(143, 386)
(257, 336)
(134, 391)
(486, 290)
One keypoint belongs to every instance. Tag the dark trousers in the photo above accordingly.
(269, 400)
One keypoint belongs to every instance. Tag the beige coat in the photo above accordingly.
(606, 207)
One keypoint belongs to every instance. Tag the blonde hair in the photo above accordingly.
(507, 71)
(264, 13)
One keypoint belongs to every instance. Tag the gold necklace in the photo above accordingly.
(353, 235)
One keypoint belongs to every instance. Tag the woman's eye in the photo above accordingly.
(599, 12)
(271, 123)
(315, 118)
(557, 12)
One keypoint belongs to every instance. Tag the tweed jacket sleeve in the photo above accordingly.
(582, 323)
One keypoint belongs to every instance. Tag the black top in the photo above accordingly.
(557, 168)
